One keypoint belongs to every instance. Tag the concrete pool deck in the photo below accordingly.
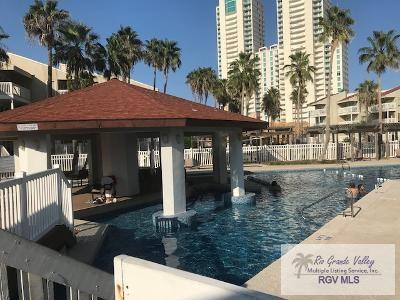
(378, 222)
(258, 168)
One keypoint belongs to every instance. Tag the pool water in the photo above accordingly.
(234, 243)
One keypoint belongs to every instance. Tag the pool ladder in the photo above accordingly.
(351, 206)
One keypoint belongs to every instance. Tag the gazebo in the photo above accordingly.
(112, 115)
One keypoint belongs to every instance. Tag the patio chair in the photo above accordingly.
(106, 189)
(359, 155)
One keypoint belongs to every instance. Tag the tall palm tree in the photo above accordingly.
(79, 48)
(299, 73)
(41, 22)
(152, 57)
(271, 104)
(125, 50)
(221, 92)
(244, 75)
(298, 96)
(3, 52)
(367, 95)
(170, 59)
(382, 54)
(202, 82)
(336, 30)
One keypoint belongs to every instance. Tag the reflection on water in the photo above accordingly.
(234, 243)
(170, 246)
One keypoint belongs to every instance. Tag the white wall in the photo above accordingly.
(139, 279)
(32, 153)
(119, 159)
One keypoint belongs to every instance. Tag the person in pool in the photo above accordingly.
(352, 191)
(361, 190)
(275, 187)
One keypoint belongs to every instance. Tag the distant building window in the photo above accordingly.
(230, 6)
(62, 85)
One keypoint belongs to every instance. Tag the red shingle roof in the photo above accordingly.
(116, 104)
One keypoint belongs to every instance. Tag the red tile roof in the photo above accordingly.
(116, 104)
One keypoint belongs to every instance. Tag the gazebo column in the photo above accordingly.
(32, 153)
(173, 172)
(219, 158)
(119, 159)
(239, 195)
(173, 184)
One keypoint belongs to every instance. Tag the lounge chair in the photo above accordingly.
(106, 189)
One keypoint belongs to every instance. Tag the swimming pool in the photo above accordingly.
(234, 243)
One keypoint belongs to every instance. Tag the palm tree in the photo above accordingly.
(152, 57)
(170, 59)
(382, 54)
(244, 75)
(202, 82)
(271, 104)
(41, 22)
(299, 73)
(3, 52)
(125, 50)
(79, 48)
(221, 92)
(367, 95)
(336, 30)
(302, 261)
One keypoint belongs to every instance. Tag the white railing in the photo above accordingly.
(348, 110)
(385, 107)
(11, 89)
(31, 205)
(251, 154)
(65, 161)
(318, 112)
(39, 268)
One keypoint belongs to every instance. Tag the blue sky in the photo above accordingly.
(192, 24)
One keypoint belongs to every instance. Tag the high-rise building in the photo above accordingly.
(299, 30)
(240, 28)
(269, 69)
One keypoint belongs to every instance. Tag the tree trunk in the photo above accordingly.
(166, 81)
(379, 155)
(242, 101)
(154, 79)
(50, 72)
(298, 110)
(328, 103)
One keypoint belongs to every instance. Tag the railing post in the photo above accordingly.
(23, 205)
(59, 194)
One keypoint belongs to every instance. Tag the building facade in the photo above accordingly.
(299, 30)
(269, 69)
(24, 80)
(347, 109)
(240, 28)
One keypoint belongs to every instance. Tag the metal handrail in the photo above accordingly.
(316, 202)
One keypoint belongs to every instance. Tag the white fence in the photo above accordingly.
(251, 154)
(65, 161)
(32, 205)
(38, 268)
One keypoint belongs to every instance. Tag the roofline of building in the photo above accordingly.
(130, 124)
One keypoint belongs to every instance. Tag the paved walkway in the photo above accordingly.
(377, 223)
(89, 238)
